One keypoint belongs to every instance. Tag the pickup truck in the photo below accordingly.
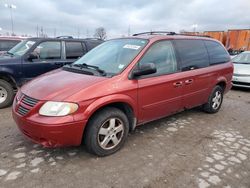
(35, 56)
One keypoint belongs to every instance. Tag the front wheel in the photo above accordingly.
(215, 100)
(106, 132)
(6, 94)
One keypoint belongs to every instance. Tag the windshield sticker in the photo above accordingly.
(131, 46)
(121, 66)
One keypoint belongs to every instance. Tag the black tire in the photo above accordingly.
(92, 133)
(209, 106)
(10, 94)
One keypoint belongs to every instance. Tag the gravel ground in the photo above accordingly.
(190, 149)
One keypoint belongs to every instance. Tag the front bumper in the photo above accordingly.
(241, 81)
(51, 135)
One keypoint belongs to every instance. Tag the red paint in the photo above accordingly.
(150, 98)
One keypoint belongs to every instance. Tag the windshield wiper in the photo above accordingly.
(71, 69)
(84, 65)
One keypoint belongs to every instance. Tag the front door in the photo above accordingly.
(48, 57)
(159, 94)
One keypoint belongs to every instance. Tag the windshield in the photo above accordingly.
(113, 56)
(21, 48)
(242, 58)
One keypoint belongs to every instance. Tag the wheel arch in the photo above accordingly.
(222, 82)
(8, 78)
(124, 103)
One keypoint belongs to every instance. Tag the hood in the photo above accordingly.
(58, 85)
(6, 59)
(242, 69)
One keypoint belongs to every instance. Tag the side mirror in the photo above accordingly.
(145, 69)
(32, 56)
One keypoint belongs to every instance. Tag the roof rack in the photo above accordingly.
(193, 35)
(168, 33)
(93, 39)
(64, 37)
(155, 32)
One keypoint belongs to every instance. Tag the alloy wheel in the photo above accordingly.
(110, 133)
(216, 100)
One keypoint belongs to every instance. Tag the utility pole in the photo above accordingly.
(78, 32)
(87, 33)
(55, 32)
(37, 31)
(41, 33)
(194, 27)
(129, 31)
(11, 6)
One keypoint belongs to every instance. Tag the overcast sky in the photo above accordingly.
(67, 17)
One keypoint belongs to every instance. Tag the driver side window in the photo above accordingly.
(48, 50)
(163, 56)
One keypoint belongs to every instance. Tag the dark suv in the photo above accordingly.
(35, 56)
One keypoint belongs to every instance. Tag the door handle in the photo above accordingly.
(190, 81)
(177, 84)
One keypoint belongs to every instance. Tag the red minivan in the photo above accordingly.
(121, 84)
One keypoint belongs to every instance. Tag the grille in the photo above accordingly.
(241, 83)
(26, 104)
(243, 75)
(29, 101)
(22, 110)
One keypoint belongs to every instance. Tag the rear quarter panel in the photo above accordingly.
(223, 73)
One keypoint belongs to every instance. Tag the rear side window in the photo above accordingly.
(163, 56)
(217, 54)
(192, 53)
(92, 44)
(74, 50)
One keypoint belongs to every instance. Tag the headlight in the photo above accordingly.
(57, 108)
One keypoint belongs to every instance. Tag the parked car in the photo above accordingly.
(119, 85)
(6, 43)
(241, 76)
(35, 56)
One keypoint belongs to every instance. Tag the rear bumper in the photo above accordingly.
(53, 135)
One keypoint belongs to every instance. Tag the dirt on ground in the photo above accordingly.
(190, 149)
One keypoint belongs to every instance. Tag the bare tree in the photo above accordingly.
(100, 33)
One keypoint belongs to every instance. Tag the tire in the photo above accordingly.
(6, 94)
(99, 138)
(215, 100)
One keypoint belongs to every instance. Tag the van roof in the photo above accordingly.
(162, 37)
(159, 35)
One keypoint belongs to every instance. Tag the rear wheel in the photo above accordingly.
(215, 100)
(106, 132)
(6, 94)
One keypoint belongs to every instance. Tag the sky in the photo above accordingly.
(122, 17)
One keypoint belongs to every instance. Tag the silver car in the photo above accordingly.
(241, 77)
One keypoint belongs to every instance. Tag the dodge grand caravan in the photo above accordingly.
(119, 85)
